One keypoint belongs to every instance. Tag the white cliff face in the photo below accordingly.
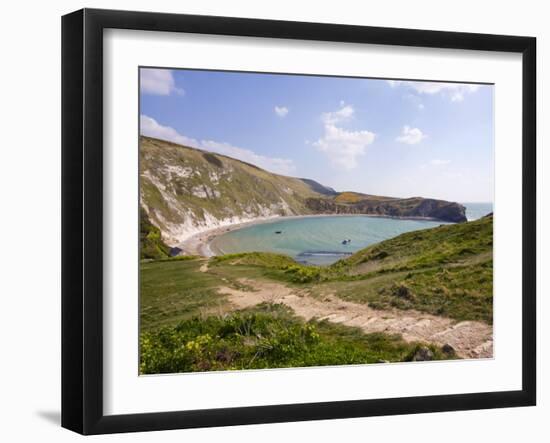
(176, 233)
(203, 191)
(185, 192)
(184, 222)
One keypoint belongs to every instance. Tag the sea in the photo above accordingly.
(322, 240)
(477, 210)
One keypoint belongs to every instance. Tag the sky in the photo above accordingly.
(375, 136)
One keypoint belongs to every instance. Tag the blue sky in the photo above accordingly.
(384, 137)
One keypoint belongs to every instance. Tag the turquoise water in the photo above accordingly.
(319, 240)
(316, 240)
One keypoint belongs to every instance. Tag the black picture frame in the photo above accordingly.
(82, 219)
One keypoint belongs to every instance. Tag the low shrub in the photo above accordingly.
(267, 336)
(303, 274)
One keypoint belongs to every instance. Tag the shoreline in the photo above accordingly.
(200, 243)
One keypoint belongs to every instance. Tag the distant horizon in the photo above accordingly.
(370, 136)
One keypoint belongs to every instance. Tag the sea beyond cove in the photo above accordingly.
(323, 240)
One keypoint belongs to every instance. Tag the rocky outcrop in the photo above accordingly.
(423, 353)
(440, 209)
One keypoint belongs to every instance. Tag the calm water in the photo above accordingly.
(318, 240)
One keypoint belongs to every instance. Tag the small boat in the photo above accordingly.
(278, 232)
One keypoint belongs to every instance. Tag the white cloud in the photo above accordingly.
(158, 82)
(343, 147)
(411, 136)
(439, 162)
(283, 166)
(455, 91)
(460, 92)
(151, 128)
(332, 118)
(281, 111)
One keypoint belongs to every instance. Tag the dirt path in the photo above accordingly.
(470, 339)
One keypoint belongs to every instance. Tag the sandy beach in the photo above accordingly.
(201, 243)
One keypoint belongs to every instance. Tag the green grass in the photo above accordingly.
(266, 264)
(186, 325)
(268, 336)
(262, 259)
(458, 292)
(443, 245)
(174, 290)
(446, 270)
(174, 258)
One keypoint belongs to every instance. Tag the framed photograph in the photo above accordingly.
(269, 221)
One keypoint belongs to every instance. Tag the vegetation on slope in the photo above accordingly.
(355, 203)
(446, 271)
(319, 188)
(187, 325)
(151, 245)
(444, 244)
(267, 336)
(349, 197)
(175, 290)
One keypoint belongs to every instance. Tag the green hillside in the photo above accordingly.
(189, 324)
(446, 244)
(185, 190)
(445, 271)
